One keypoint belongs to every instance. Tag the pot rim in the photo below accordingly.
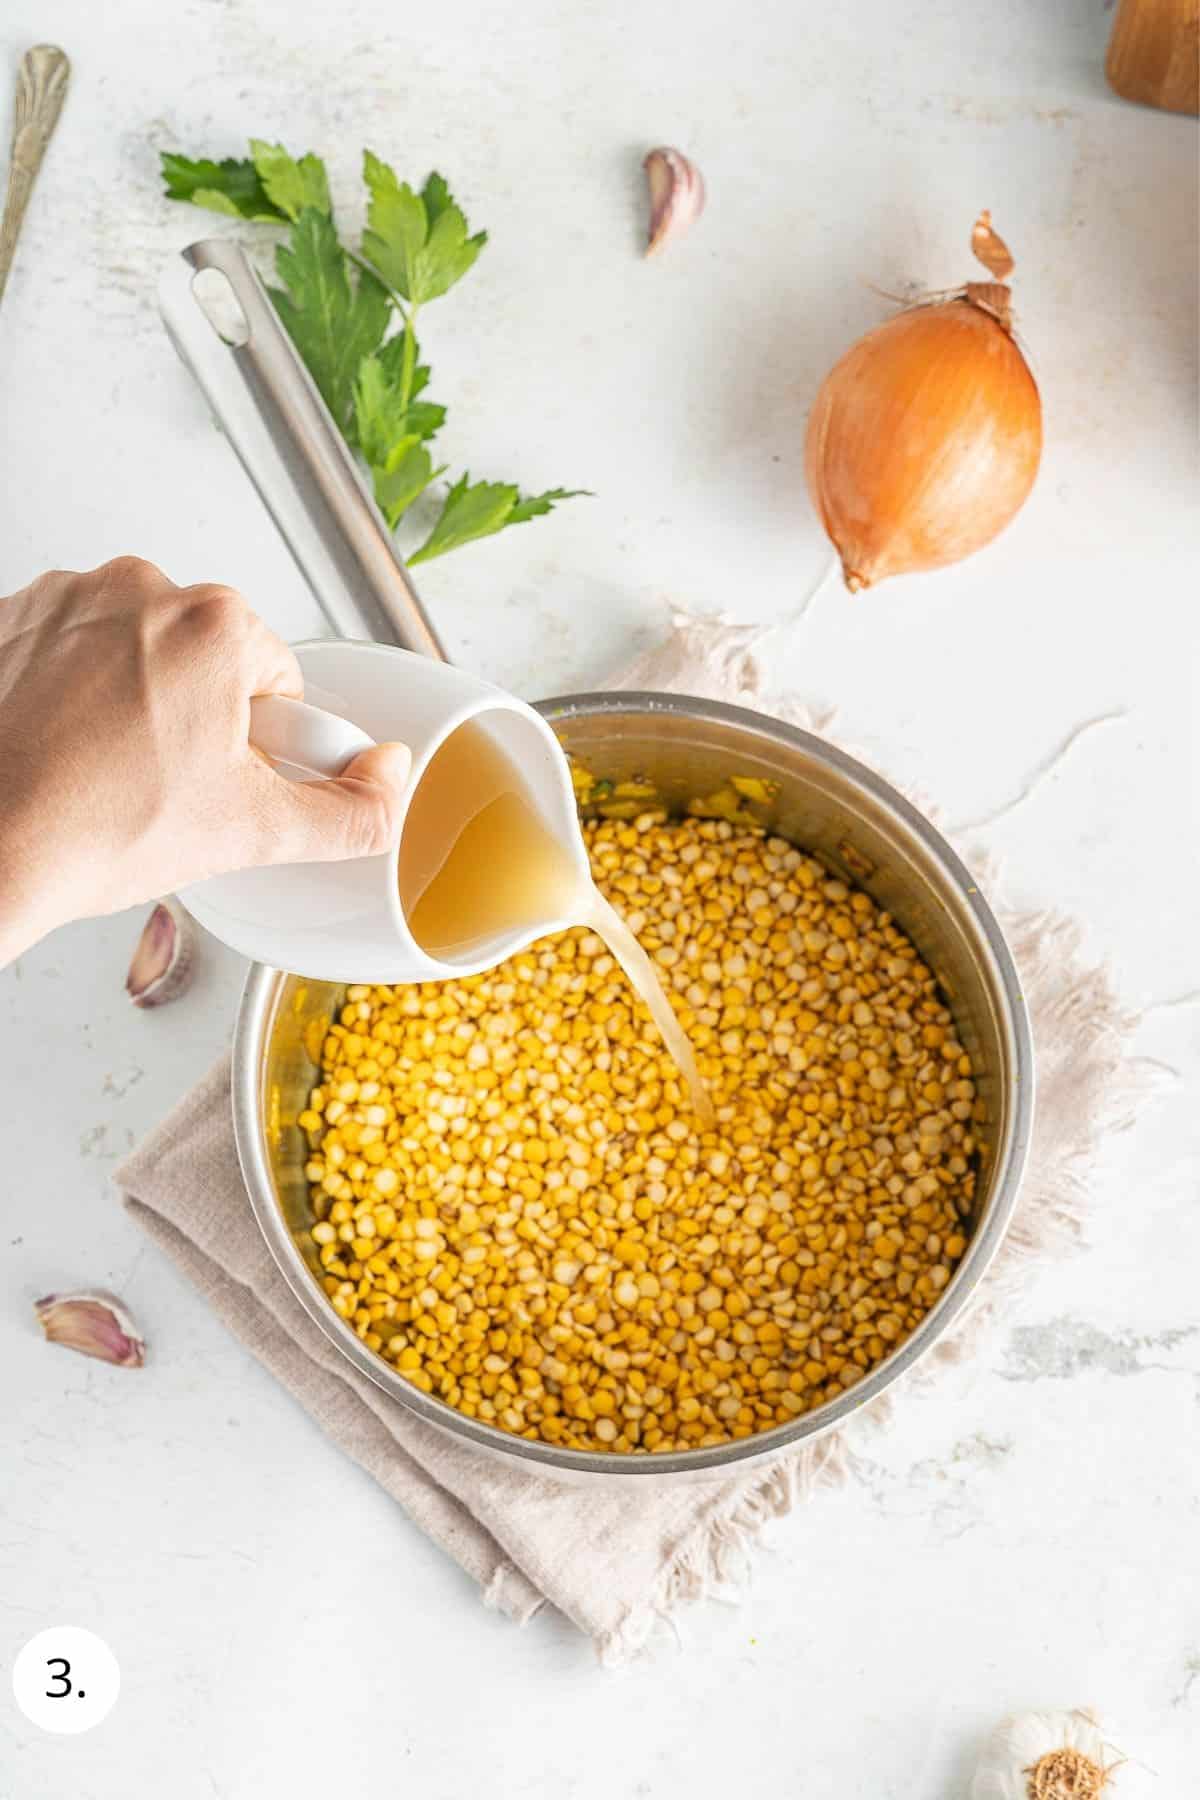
(256, 1011)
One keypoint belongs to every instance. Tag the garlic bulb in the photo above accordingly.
(1055, 1756)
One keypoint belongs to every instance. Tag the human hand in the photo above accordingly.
(125, 763)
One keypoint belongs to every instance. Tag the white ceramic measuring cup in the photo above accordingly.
(343, 921)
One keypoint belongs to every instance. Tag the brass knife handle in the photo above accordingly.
(41, 90)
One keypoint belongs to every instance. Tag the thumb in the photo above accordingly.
(355, 814)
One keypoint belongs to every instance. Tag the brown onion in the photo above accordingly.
(925, 438)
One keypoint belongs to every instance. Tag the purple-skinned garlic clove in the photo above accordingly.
(96, 1324)
(676, 195)
(162, 963)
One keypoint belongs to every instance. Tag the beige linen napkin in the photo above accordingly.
(618, 1560)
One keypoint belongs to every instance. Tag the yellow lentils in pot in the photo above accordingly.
(515, 1207)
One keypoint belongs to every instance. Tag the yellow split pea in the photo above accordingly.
(514, 1205)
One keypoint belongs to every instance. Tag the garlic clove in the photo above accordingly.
(96, 1324)
(162, 963)
(677, 195)
(990, 248)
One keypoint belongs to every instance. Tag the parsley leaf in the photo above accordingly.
(291, 185)
(532, 506)
(436, 196)
(231, 187)
(415, 248)
(390, 436)
(333, 326)
(378, 416)
(417, 242)
(449, 252)
(381, 418)
(267, 187)
(477, 510)
(408, 473)
(397, 226)
(425, 417)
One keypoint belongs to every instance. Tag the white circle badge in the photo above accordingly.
(66, 1679)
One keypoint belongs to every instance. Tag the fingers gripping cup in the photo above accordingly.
(489, 856)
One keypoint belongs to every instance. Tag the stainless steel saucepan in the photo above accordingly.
(225, 328)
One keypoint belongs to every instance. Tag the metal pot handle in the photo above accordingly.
(268, 406)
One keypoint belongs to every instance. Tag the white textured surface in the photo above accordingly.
(1027, 1535)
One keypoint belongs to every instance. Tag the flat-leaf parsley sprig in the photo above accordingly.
(339, 307)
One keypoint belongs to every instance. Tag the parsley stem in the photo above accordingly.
(365, 268)
(408, 356)
(408, 314)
